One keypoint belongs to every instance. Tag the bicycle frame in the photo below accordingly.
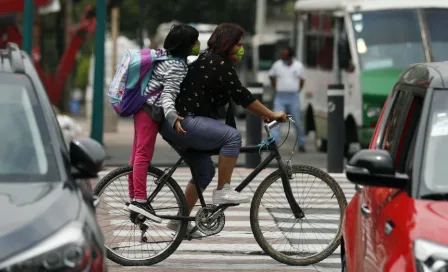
(273, 154)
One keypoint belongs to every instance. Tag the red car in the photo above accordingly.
(398, 217)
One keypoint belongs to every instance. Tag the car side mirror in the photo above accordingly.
(87, 157)
(374, 168)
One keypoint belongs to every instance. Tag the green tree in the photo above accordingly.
(157, 12)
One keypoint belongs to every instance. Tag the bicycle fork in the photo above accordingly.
(295, 208)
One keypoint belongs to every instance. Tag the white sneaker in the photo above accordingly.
(228, 196)
(174, 225)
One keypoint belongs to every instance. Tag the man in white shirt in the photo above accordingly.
(287, 80)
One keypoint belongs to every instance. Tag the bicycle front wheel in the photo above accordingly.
(294, 241)
(131, 242)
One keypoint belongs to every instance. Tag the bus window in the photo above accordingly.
(319, 52)
(319, 42)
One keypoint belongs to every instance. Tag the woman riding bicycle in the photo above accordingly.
(211, 83)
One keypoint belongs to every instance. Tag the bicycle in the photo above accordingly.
(210, 219)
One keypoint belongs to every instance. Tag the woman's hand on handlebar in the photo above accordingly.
(276, 116)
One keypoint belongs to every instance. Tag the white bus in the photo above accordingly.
(375, 40)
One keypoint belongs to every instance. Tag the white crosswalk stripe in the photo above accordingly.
(235, 246)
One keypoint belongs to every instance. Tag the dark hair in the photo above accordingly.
(224, 37)
(179, 40)
(290, 51)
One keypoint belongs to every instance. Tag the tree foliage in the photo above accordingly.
(133, 18)
(187, 11)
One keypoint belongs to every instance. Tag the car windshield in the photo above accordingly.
(25, 146)
(435, 170)
(387, 38)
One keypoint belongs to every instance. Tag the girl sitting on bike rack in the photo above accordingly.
(212, 82)
(181, 41)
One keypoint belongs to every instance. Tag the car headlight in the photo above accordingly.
(67, 250)
(373, 112)
(430, 256)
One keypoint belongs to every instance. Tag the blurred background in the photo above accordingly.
(339, 42)
(63, 39)
(140, 23)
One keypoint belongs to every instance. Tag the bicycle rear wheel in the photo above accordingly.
(123, 238)
(308, 240)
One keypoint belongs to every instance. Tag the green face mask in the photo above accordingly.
(239, 55)
(196, 49)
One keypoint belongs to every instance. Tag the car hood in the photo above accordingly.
(30, 212)
(431, 220)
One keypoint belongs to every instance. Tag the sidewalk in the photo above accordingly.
(118, 146)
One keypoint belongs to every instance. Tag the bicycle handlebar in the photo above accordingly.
(275, 123)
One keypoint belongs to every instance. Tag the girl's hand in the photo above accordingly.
(178, 125)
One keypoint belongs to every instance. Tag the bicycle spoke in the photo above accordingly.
(127, 240)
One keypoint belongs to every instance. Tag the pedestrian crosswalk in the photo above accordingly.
(235, 246)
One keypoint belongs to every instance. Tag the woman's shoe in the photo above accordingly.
(228, 196)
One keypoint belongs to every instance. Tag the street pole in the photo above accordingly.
(335, 128)
(254, 126)
(115, 30)
(67, 91)
(28, 22)
(336, 124)
(295, 33)
(300, 50)
(98, 85)
(336, 62)
(110, 116)
(260, 17)
(260, 22)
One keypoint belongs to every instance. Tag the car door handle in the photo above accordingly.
(358, 188)
(365, 211)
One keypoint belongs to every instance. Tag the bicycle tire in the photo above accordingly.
(111, 255)
(255, 205)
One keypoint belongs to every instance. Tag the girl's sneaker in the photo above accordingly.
(145, 210)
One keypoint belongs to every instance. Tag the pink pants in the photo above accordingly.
(145, 134)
